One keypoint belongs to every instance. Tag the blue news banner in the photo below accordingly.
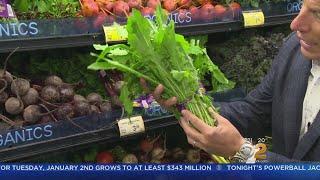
(165, 171)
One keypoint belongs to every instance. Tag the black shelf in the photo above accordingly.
(87, 38)
(108, 134)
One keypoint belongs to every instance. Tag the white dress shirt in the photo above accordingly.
(311, 103)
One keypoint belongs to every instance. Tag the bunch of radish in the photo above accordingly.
(53, 100)
(110, 10)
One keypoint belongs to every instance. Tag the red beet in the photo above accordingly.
(81, 108)
(94, 98)
(169, 5)
(121, 8)
(153, 3)
(77, 98)
(94, 109)
(104, 157)
(105, 107)
(6, 76)
(109, 6)
(45, 119)
(206, 12)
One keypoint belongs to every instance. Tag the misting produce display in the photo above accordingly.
(160, 56)
(24, 103)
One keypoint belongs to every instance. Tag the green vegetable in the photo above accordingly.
(159, 55)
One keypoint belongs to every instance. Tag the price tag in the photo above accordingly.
(115, 32)
(253, 18)
(132, 125)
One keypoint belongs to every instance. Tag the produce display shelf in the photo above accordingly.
(85, 38)
(110, 133)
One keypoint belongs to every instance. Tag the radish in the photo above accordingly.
(94, 98)
(147, 11)
(104, 157)
(146, 145)
(185, 3)
(169, 5)
(182, 16)
(20, 86)
(66, 93)
(195, 13)
(31, 97)
(89, 8)
(99, 20)
(130, 158)
(206, 12)
(50, 93)
(193, 156)
(14, 106)
(153, 3)
(121, 8)
(219, 11)
(109, 6)
(134, 4)
(53, 81)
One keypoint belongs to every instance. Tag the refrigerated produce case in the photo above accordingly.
(35, 34)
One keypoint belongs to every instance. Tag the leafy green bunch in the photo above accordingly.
(160, 56)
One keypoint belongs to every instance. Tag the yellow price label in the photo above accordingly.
(115, 32)
(130, 126)
(253, 18)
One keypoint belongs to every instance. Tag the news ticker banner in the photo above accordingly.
(262, 169)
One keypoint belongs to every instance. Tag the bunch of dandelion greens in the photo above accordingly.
(160, 56)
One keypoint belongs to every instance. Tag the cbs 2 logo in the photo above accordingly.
(261, 151)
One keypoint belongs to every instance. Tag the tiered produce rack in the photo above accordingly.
(51, 34)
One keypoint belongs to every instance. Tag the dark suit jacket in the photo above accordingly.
(277, 103)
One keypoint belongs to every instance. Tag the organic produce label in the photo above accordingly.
(25, 135)
(253, 18)
(131, 126)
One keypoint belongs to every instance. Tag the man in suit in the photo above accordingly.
(287, 100)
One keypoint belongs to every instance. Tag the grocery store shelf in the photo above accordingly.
(88, 38)
(108, 134)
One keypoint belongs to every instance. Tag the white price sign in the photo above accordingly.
(132, 125)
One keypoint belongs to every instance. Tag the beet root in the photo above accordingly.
(53, 81)
(3, 97)
(14, 106)
(32, 113)
(66, 93)
(6, 76)
(105, 107)
(79, 98)
(31, 97)
(81, 108)
(20, 86)
(50, 94)
(94, 109)
(64, 112)
(94, 98)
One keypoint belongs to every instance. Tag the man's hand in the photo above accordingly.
(157, 94)
(223, 140)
